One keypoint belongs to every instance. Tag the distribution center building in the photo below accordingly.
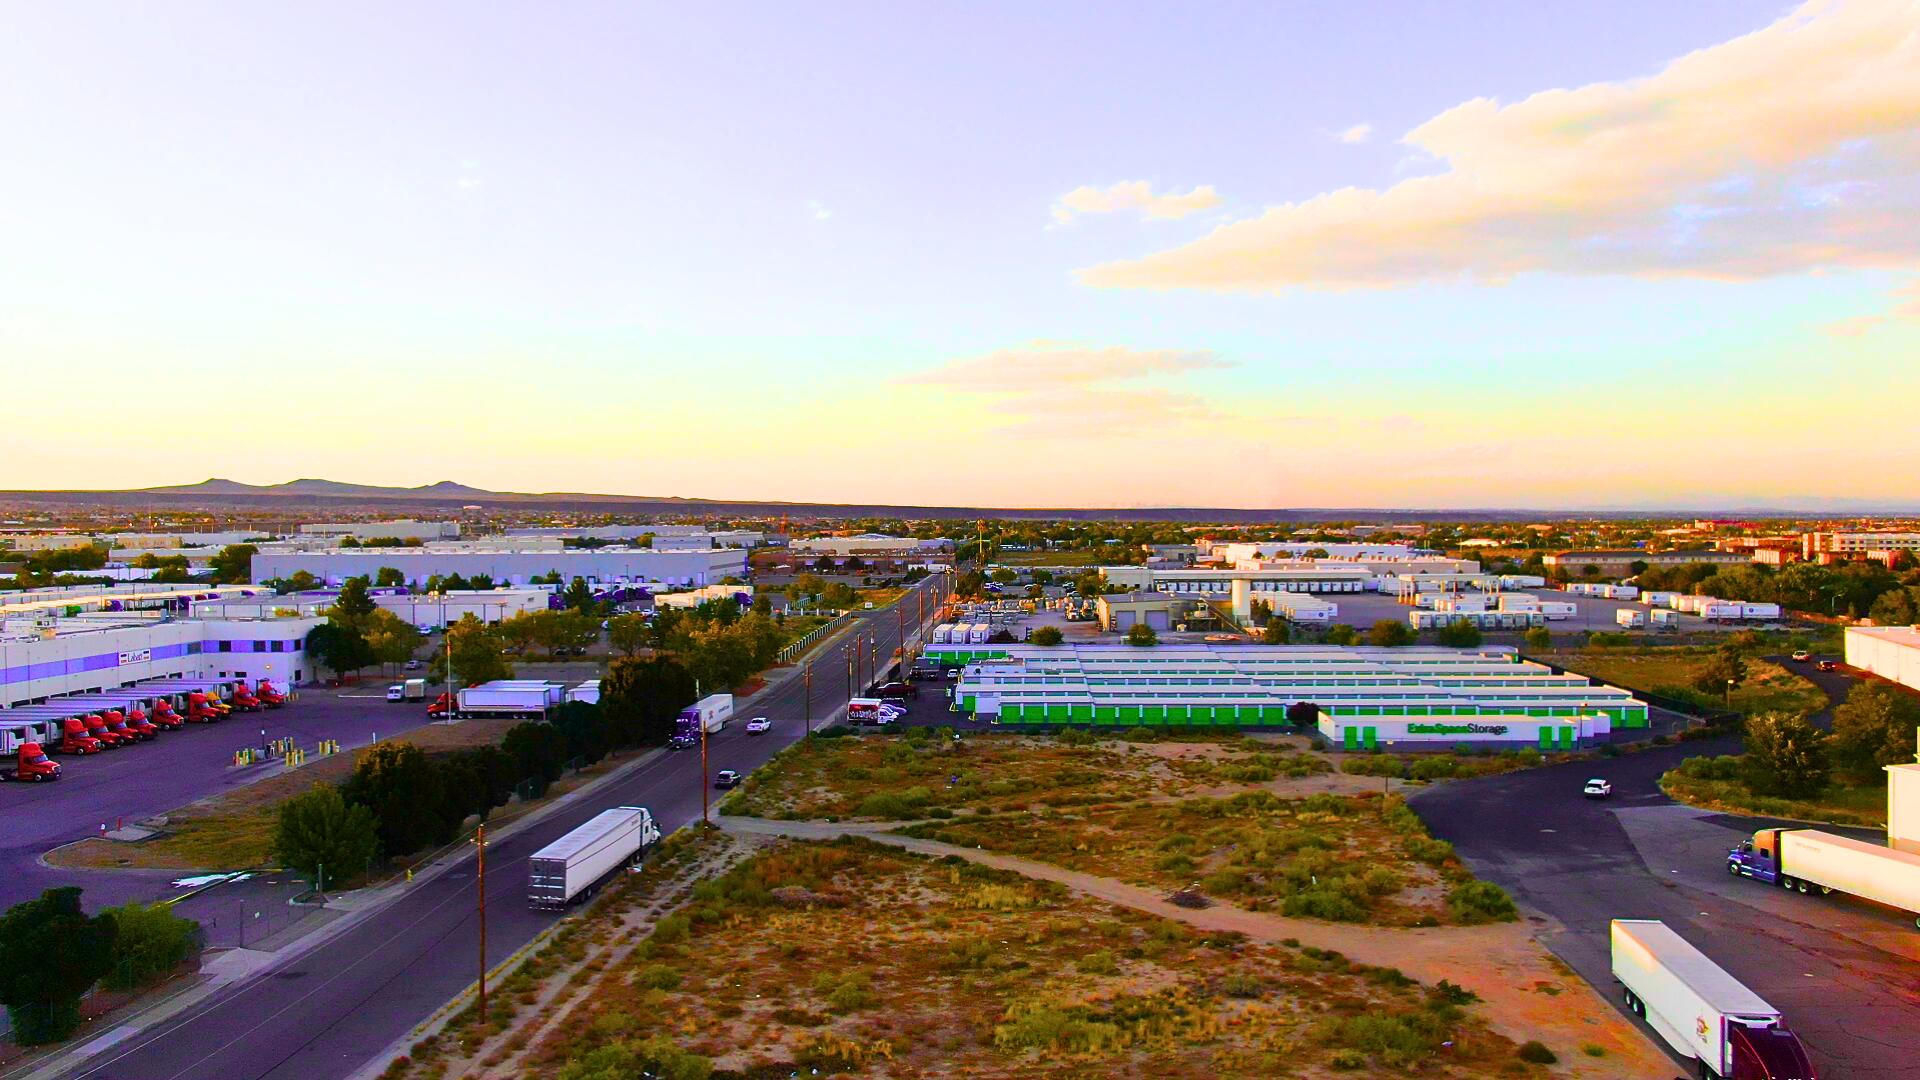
(1367, 698)
(107, 652)
(511, 567)
(1891, 652)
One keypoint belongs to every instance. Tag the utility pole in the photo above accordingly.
(703, 771)
(480, 844)
(806, 685)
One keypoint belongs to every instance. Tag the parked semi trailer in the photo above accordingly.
(566, 869)
(1726, 1030)
(1808, 860)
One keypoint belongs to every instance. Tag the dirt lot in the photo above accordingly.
(847, 956)
(234, 829)
(1671, 671)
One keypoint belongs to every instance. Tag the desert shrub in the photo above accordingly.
(1397, 1039)
(1480, 902)
(1434, 768)
(1374, 765)
(1535, 1051)
(1321, 902)
(1241, 986)
(655, 1057)
(1099, 963)
(1452, 993)
(658, 977)
(1428, 850)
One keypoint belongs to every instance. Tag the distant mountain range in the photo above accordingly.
(447, 495)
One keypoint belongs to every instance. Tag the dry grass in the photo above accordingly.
(1671, 671)
(1836, 805)
(848, 956)
(925, 772)
(1342, 858)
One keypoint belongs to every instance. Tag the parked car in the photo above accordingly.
(1828, 665)
(897, 690)
(1802, 655)
(759, 725)
(726, 778)
(1598, 788)
(414, 665)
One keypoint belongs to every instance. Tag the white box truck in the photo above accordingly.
(1706, 1015)
(588, 692)
(977, 634)
(1629, 617)
(573, 865)
(410, 690)
(1752, 610)
(1664, 618)
(1558, 609)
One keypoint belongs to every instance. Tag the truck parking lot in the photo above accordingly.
(121, 786)
(1593, 613)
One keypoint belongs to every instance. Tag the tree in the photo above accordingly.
(479, 582)
(339, 648)
(641, 698)
(298, 581)
(583, 730)
(1872, 729)
(1459, 635)
(1275, 632)
(149, 941)
(538, 750)
(1895, 607)
(1342, 634)
(1089, 584)
(318, 830)
(1391, 633)
(387, 577)
(171, 575)
(1537, 639)
(1303, 714)
(1042, 577)
(1003, 576)
(1315, 553)
(1786, 756)
(838, 595)
(349, 541)
(354, 608)
(1047, 635)
(390, 639)
(477, 656)
(402, 789)
(807, 585)
(627, 633)
(233, 564)
(971, 583)
(1724, 670)
(1142, 635)
(50, 954)
(579, 596)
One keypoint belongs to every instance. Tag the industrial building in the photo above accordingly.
(608, 565)
(1121, 612)
(1827, 546)
(1326, 578)
(1891, 652)
(1238, 551)
(432, 611)
(75, 599)
(868, 546)
(1366, 698)
(41, 658)
(404, 529)
(665, 537)
(1618, 563)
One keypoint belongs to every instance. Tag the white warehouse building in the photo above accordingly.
(43, 658)
(512, 567)
(1891, 652)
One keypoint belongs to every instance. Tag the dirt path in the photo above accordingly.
(1528, 994)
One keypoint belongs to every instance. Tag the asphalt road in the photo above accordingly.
(1844, 972)
(170, 771)
(327, 1014)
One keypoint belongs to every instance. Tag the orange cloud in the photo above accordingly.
(1038, 385)
(1908, 309)
(1133, 195)
(1792, 148)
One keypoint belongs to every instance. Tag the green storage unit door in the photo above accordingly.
(1568, 737)
(1105, 714)
(1179, 715)
(971, 704)
(1083, 714)
(1129, 714)
(1154, 714)
(1546, 737)
(1249, 714)
(1349, 737)
(1058, 714)
(1370, 738)
(1273, 714)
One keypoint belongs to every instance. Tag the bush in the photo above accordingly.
(1047, 635)
(656, 1057)
(1480, 902)
(1535, 1051)
(1099, 963)
(1322, 902)
(148, 942)
(658, 977)
(1374, 765)
(318, 829)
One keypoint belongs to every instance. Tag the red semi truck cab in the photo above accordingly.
(74, 738)
(109, 738)
(200, 710)
(444, 705)
(243, 698)
(164, 715)
(160, 721)
(269, 697)
(117, 723)
(31, 763)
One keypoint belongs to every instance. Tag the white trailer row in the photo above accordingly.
(1605, 592)
(1302, 608)
(1714, 609)
(1486, 620)
(511, 697)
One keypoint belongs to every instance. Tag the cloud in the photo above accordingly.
(1042, 383)
(1791, 149)
(1133, 195)
(1356, 134)
(818, 210)
(1906, 310)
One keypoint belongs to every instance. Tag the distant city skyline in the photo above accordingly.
(1404, 256)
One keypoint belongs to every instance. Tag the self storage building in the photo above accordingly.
(1366, 698)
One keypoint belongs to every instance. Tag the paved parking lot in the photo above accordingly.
(179, 767)
(1594, 613)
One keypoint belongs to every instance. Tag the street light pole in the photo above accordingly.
(806, 684)
(480, 843)
(703, 771)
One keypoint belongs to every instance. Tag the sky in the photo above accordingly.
(1063, 254)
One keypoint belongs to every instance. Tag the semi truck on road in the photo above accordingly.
(571, 866)
(1806, 860)
(1726, 1030)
